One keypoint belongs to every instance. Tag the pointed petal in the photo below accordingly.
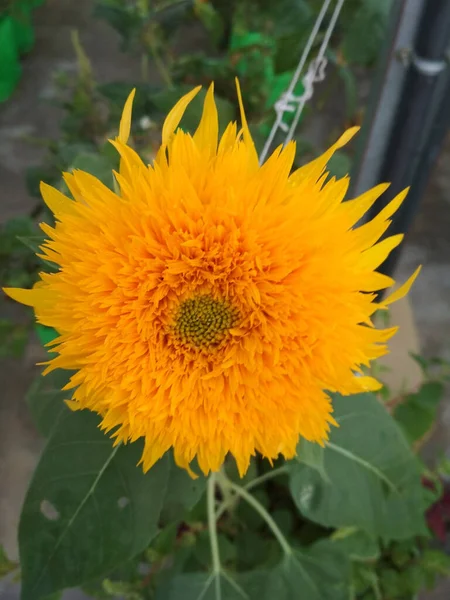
(314, 169)
(56, 201)
(175, 115)
(31, 297)
(403, 289)
(368, 384)
(125, 121)
(247, 135)
(368, 234)
(207, 134)
(374, 256)
(228, 138)
(357, 208)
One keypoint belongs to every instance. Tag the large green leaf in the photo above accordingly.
(373, 477)
(359, 545)
(182, 493)
(89, 508)
(45, 400)
(318, 573)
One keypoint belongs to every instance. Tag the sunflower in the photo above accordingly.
(211, 304)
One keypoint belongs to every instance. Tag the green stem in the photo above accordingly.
(229, 500)
(259, 508)
(266, 477)
(212, 526)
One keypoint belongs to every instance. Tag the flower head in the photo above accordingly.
(212, 303)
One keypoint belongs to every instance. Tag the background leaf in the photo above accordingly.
(374, 479)
(417, 413)
(89, 507)
(45, 400)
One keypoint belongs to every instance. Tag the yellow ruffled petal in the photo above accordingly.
(207, 134)
(403, 289)
(125, 121)
(247, 135)
(175, 115)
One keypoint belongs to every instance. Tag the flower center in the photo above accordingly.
(204, 321)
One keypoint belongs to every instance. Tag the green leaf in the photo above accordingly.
(365, 32)
(312, 455)
(45, 400)
(357, 544)
(374, 478)
(199, 586)
(210, 19)
(318, 573)
(46, 334)
(417, 413)
(88, 509)
(436, 562)
(289, 17)
(13, 339)
(339, 164)
(182, 493)
(351, 90)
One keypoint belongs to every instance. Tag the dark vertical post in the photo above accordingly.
(421, 117)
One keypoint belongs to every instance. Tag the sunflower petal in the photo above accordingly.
(56, 201)
(207, 134)
(125, 121)
(175, 115)
(314, 169)
(403, 289)
(247, 135)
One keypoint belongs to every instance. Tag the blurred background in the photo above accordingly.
(66, 68)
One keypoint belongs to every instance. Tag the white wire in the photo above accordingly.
(317, 64)
(315, 73)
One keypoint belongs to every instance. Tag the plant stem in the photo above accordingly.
(229, 500)
(212, 526)
(259, 508)
(266, 477)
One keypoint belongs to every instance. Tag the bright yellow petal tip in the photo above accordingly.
(212, 304)
(125, 122)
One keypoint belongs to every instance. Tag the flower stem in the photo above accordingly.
(259, 508)
(212, 526)
(266, 477)
(230, 500)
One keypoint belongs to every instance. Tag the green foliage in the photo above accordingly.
(339, 522)
(90, 511)
(372, 480)
(366, 29)
(89, 508)
(416, 413)
(13, 339)
(45, 399)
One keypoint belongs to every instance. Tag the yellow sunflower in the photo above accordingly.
(212, 303)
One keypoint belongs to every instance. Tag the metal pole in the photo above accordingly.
(421, 119)
(385, 96)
